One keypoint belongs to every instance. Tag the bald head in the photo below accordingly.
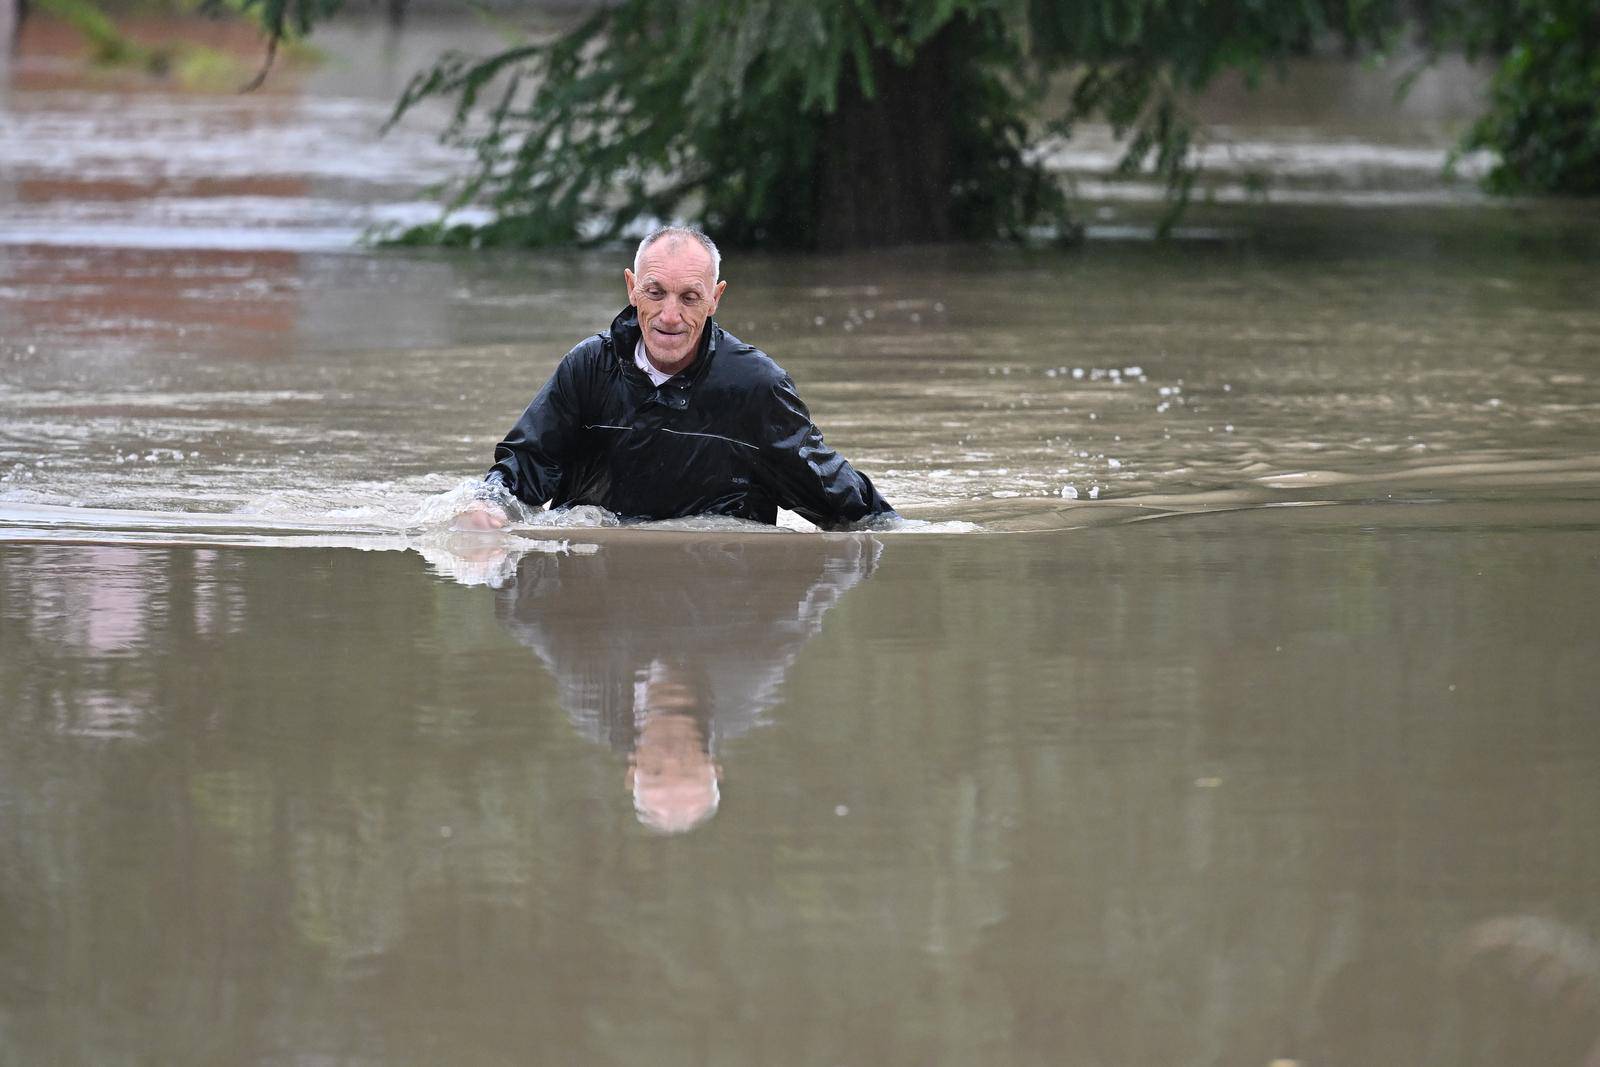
(675, 234)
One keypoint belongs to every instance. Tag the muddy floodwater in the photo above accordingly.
(1231, 698)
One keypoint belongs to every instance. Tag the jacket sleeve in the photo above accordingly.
(804, 474)
(530, 460)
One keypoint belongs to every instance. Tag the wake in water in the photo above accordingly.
(471, 557)
(391, 517)
(388, 517)
(475, 557)
(440, 511)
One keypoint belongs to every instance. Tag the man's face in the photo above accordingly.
(675, 294)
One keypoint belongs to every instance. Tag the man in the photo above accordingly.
(667, 415)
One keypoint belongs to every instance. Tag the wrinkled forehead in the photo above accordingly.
(676, 262)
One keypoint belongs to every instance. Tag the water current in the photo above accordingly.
(1229, 698)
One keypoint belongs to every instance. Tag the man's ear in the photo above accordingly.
(716, 295)
(627, 276)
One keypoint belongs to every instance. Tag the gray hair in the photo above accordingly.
(683, 232)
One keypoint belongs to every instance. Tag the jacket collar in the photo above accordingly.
(625, 335)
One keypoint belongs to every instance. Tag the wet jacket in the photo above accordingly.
(726, 436)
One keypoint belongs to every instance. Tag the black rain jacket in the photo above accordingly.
(726, 436)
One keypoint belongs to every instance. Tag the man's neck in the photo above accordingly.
(666, 368)
(645, 362)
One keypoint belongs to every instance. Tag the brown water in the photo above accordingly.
(1236, 703)
(1313, 783)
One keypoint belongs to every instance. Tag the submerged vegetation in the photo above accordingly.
(851, 123)
(841, 124)
(188, 62)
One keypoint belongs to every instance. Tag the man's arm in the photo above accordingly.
(804, 474)
(529, 461)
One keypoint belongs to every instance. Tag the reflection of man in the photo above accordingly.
(665, 649)
(667, 415)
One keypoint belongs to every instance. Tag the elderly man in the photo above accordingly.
(667, 414)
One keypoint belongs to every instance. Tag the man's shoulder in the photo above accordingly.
(592, 347)
(587, 359)
(749, 364)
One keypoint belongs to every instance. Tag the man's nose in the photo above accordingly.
(672, 309)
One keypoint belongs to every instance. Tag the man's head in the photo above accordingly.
(674, 286)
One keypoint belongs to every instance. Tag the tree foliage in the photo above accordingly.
(846, 123)
(840, 122)
(283, 20)
(1543, 121)
(190, 62)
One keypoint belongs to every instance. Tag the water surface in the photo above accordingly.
(1233, 704)
(1311, 783)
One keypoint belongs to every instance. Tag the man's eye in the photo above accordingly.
(691, 298)
(655, 294)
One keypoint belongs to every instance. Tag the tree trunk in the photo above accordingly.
(12, 15)
(884, 168)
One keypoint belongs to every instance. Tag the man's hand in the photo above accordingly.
(480, 515)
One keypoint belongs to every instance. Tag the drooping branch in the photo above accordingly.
(266, 64)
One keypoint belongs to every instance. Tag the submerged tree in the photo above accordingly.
(855, 123)
(840, 123)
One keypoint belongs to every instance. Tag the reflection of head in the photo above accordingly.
(671, 774)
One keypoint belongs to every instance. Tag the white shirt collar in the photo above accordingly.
(642, 361)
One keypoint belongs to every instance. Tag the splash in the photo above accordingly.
(437, 512)
(487, 559)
